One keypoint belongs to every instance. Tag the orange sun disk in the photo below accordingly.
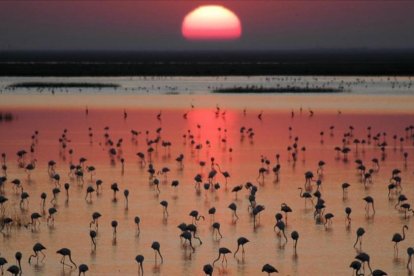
(211, 23)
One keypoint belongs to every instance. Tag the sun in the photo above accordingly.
(211, 23)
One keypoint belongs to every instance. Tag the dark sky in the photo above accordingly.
(156, 25)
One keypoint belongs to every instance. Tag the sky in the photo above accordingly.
(156, 25)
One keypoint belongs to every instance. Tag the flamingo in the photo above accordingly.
(83, 268)
(241, 242)
(114, 225)
(156, 247)
(410, 252)
(233, 207)
(195, 215)
(295, 236)
(369, 200)
(345, 187)
(126, 194)
(14, 270)
(164, 204)
(237, 189)
(396, 238)
(114, 188)
(222, 251)
(281, 226)
(256, 211)
(216, 229)
(93, 234)
(187, 237)
(38, 247)
(65, 252)
(364, 258)
(286, 209)
(378, 272)
(356, 265)
(3, 261)
(305, 195)
(328, 219)
(18, 256)
(269, 269)
(208, 269)
(95, 217)
(140, 260)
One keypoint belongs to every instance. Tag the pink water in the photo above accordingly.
(320, 251)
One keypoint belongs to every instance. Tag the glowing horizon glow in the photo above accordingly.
(211, 22)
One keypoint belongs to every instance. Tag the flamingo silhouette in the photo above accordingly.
(348, 212)
(407, 208)
(233, 207)
(93, 234)
(140, 260)
(295, 236)
(55, 192)
(364, 258)
(212, 212)
(328, 219)
(89, 192)
(396, 238)
(195, 215)
(345, 187)
(359, 232)
(83, 268)
(225, 174)
(18, 256)
(241, 242)
(114, 225)
(237, 189)
(65, 252)
(269, 269)
(164, 204)
(3, 261)
(95, 217)
(192, 228)
(3, 200)
(401, 198)
(369, 200)
(24, 198)
(187, 237)
(208, 269)
(305, 195)
(114, 188)
(378, 272)
(410, 252)
(67, 186)
(256, 212)
(38, 247)
(281, 226)
(216, 229)
(286, 209)
(14, 270)
(156, 247)
(34, 220)
(356, 266)
(222, 251)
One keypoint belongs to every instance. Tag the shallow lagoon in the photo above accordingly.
(321, 251)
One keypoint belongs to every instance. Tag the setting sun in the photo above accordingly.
(211, 23)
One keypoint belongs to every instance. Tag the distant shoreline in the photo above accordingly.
(287, 89)
(62, 85)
